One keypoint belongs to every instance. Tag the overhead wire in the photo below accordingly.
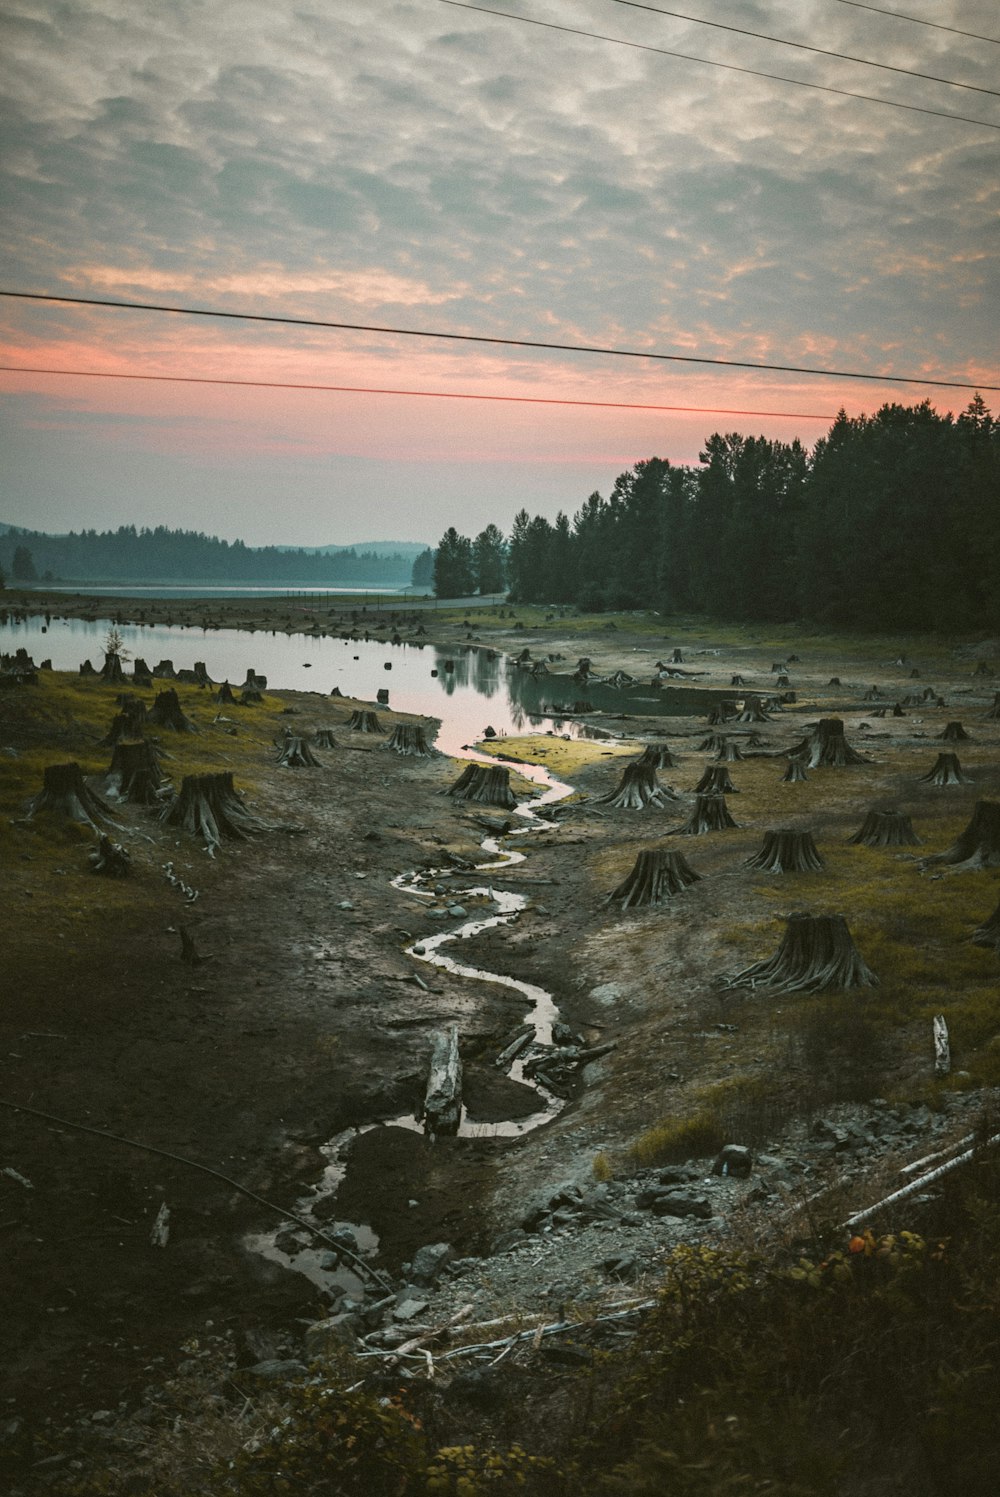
(728, 67)
(780, 41)
(897, 15)
(484, 338)
(272, 384)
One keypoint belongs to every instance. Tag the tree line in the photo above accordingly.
(892, 520)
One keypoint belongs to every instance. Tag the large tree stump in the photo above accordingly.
(249, 697)
(657, 875)
(872, 695)
(725, 712)
(795, 772)
(716, 781)
(656, 756)
(86, 669)
(637, 788)
(225, 696)
(988, 934)
(110, 859)
(816, 953)
(826, 745)
(64, 793)
(254, 682)
(945, 771)
(487, 784)
(363, 720)
(166, 712)
(140, 668)
(787, 851)
(753, 711)
(954, 733)
(323, 738)
(135, 775)
(885, 829)
(112, 670)
(442, 1110)
(728, 752)
(410, 740)
(128, 723)
(979, 845)
(295, 753)
(165, 670)
(209, 806)
(710, 814)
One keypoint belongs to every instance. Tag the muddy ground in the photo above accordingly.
(305, 1018)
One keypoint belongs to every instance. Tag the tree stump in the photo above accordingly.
(249, 697)
(323, 738)
(787, 851)
(872, 695)
(736, 680)
(885, 829)
(364, 721)
(442, 1110)
(487, 784)
(637, 789)
(716, 781)
(954, 733)
(410, 740)
(64, 793)
(140, 668)
(128, 723)
(724, 713)
(656, 876)
(295, 753)
(753, 711)
(209, 806)
(166, 713)
(982, 669)
(816, 953)
(728, 752)
(993, 715)
(656, 756)
(795, 772)
(225, 696)
(110, 859)
(254, 682)
(978, 846)
(988, 934)
(135, 775)
(165, 669)
(945, 771)
(826, 745)
(86, 669)
(710, 814)
(112, 670)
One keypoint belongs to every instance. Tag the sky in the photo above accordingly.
(425, 166)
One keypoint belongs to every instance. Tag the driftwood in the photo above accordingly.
(410, 740)
(166, 713)
(826, 745)
(487, 784)
(64, 793)
(295, 753)
(637, 788)
(988, 934)
(716, 781)
(657, 875)
(135, 774)
(942, 1046)
(209, 806)
(795, 772)
(110, 859)
(363, 720)
(816, 953)
(442, 1110)
(787, 851)
(885, 829)
(946, 770)
(954, 733)
(978, 846)
(710, 814)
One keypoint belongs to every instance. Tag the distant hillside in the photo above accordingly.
(161, 555)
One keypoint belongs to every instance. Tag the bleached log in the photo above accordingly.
(442, 1111)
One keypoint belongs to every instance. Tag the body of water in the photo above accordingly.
(190, 590)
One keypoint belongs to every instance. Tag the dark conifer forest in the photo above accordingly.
(893, 520)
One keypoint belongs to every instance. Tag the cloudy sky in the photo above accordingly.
(420, 165)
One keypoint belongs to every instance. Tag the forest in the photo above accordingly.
(892, 520)
(162, 555)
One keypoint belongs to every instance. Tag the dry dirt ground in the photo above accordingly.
(304, 1018)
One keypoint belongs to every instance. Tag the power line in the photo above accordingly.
(728, 67)
(897, 15)
(780, 41)
(272, 384)
(409, 332)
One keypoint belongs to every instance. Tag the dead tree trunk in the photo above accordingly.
(795, 772)
(942, 1045)
(787, 851)
(208, 806)
(323, 738)
(110, 859)
(816, 953)
(442, 1110)
(716, 781)
(637, 789)
(135, 774)
(954, 733)
(710, 814)
(410, 740)
(364, 721)
(64, 793)
(946, 771)
(488, 784)
(979, 845)
(295, 753)
(656, 756)
(885, 829)
(166, 713)
(826, 745)
(656, 876)
(988, 934)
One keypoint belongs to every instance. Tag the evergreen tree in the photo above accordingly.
(454, 572)
(490, 560)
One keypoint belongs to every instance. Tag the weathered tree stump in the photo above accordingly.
(982, 669)
(885, 829)
(728, 752)
(725, 712)
(753, 711)
(110, 859)
(897, 710)
(787, 851)
(784, 681)
(165, 669)
(833, 681)
(736, 680)
(135, 775)
(657, 875)
(795, 773)
(872, 695)
(140, 668)
(826, 745)
(993, 714)
(65, 793)
(656, 756)
(945, 771)
(487, 784)
(363, 720)
(954, 733)
(225, 695)
(988, 934)
(710, 814)
(249, 697)
(410, 740)
(323, 738)
(978, 846)
(166, 712)
(295, 753)
(716, 781)
(442, 1110)
(637, 788)
(128, 723)
(209, 806)
(816, 953)
(112, 670)
(254, 682)
(86, 669)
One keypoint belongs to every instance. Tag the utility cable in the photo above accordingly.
(897, 15)
(780, 41)
(272, 384)
(728, 67)
(409, 332)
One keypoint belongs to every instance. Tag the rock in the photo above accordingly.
(287, 1241)
(675, 1203)
(429, 1261)
(278, 1370)
(343, 1237)
(621, 1266)
(325, 1337)
(329, 1261)
(508, 1240)
(734, 1160)
(457, 911)
(409, 1309)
